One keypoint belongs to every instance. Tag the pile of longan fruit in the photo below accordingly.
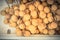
(31, 18)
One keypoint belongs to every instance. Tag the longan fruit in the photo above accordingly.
(58, 17)
(45, 20)
(7, 16)
(17, 27)
(26, 17)
(58, 11)
(36, 3)
(16, 12)
(41, 30)
(31, 28)
(39, 20)
(13, 24)
(46, 10)
(11, 11)
(19, 21)
(27, 33)
(53, 7)
(21, 13)
(50, 1)
(34, 22)
(24, 1)
(3, 12)
(14, 18)
(7, 9)
(49, 26)
(6, 21)
(22, 26)
(49, 15)
(18, 32)
(42, 14)
(15, 7)
(36, 17)
(27, 23)
(44, 4)
(45, 31)
(31, 7)
(41, 26)
(51, 32)
(27, 11)
(50, 19)
(37, 31)
(40, 7)
(33, 31)
(11, 21)
(22, 7)
(34, 14)
(53, 25)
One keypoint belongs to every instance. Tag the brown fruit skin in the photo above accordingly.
(19, 21)
(50, 1)
(13, 24)
(45, 20)
(39, 20)
(17, 12)
(34, 14)
(21, 13)
(58, 11)
(41, 26)
(44, 4)
(34, 22)
(15, 7)
(22, 7)
(32, 18)
(21, 26)
(57, 18)
(27, 11)
(50, 19)
(3, 12)
(42, 15)
(26, 17)
(37, 31)
(18, 32)
(7, 16)
(6, 21)
(31, 28)
(24, 1)
(14, 18)
(31, 7)
(54, 7)
(11, 11)
(45, 31)
(36, 3)
(49, 15)
(51, 32)
(27, 23)
(53, 25)
(27, 33)
(7, 9)
(40, 7)
(46, 9)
